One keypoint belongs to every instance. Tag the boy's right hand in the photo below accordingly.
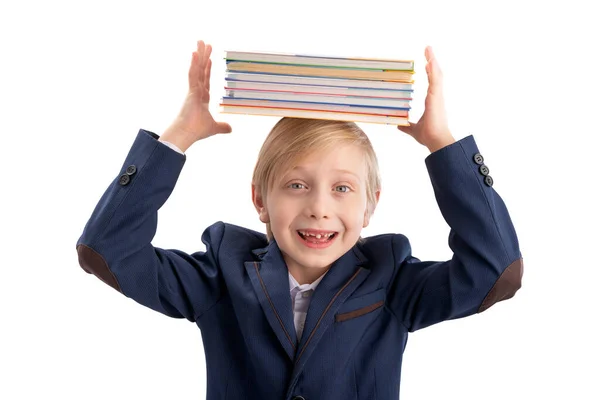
(194, 121)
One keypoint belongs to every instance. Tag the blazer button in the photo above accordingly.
(488, 180)
(478, 158)
(484, 170)
(131, 170)
(124, 179)
(298, 398)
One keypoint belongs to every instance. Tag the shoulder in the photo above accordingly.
(231, 236)
(383, 255)
(386, 247)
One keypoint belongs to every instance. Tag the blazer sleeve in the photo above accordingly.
(116, 246)
(486, 266)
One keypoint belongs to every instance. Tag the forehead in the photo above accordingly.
(340, 158)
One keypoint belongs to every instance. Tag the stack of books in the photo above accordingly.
(308, 86)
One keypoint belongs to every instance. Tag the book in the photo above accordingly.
(317, 98)
(315, 60)
(307, 86)
(379, 119)
(353, 109)
(312, 89)
(384, 75)
(313, 81)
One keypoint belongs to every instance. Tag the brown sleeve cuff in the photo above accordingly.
(93, 263)
(506, 286)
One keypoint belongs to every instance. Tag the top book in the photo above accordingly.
(314, 60)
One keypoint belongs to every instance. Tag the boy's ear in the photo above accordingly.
(367, 216)
(260, 204)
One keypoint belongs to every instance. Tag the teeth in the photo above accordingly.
(318, 236)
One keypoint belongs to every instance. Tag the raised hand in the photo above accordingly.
(432, 129)
(194, 121)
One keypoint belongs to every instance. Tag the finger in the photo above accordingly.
(193, 72)
(429, 53)
(207, 52)
(201, 61)
(435, 78)
(429, 56)
(434, 72)
(207, 75)
(201, 48)
(206, 70)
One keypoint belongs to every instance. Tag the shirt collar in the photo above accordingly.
(294, 283)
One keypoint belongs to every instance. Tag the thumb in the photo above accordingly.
(408, 129)
(223, 127)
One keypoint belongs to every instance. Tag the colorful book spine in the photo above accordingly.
(268, 86)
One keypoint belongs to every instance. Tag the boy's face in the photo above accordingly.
(326, 191)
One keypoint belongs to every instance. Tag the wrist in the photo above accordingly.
(178, 138)
(440, 143)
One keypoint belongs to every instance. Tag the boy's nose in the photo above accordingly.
(318, 206)
(318, 215)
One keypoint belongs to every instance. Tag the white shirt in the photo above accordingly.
(171, 145)
(300, 294)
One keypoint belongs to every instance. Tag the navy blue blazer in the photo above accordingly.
(237, 291)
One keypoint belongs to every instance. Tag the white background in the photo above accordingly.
(78, 79)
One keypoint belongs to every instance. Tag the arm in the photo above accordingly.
(486, 266)
(115, 244)
(116, 241)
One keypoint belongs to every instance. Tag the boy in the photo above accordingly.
(311, 310)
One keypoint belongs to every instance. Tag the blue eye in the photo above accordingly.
(297, 186)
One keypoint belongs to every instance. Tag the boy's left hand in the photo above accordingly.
(432, 129)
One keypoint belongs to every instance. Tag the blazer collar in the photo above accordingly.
(269, 276)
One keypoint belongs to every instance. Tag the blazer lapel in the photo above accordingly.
(343, 278)
(269, 277)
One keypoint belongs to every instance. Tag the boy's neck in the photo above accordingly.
(306, 275)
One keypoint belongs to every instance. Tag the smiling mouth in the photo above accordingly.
(314, 239)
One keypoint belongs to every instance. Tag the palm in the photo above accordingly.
(433, 123)
(195, 117)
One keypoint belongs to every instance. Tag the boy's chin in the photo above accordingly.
(318, 260)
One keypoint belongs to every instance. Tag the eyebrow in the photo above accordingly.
(345, 171)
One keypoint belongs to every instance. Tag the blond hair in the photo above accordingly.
(291, 139)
